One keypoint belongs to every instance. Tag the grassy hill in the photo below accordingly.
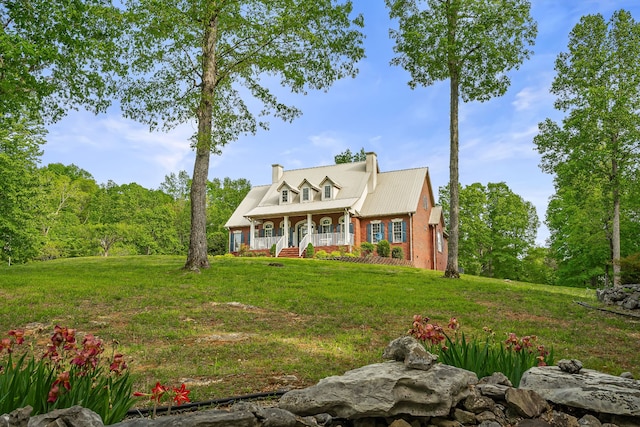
(245, 326)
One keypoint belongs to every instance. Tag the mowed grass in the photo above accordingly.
(244, 326)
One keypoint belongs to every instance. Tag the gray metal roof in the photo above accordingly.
(397, 192)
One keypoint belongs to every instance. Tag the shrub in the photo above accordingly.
(65, 376)
(630, 269)
(244, 250)
(355, 251)
(397, 253)
(366, 248)
(336, 254)
(272, 250)
(383, 249)
(321, 254)
(310, 251)
(217, 243)
(512, 357)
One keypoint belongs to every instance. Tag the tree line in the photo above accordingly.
(60, 211)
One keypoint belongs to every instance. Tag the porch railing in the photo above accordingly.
(331, 239)
(303, 244)
(280, 245)
(265, 242)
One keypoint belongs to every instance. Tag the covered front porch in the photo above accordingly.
(324, 230)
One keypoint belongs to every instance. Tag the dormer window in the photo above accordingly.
(285, 196)
(305, 194)
(328, 191)
(287, 193)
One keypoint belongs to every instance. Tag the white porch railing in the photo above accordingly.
(280, 245)
(265, 242)
(303, 244)
(331, 239)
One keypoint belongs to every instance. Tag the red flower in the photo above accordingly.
(18, 334)
(453, 324)
(182, 395)
(53, 394)
(158, 391)
(118, 365)
(6, 343)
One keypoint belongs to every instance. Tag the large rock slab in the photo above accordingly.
(383, 390)
(587, 389)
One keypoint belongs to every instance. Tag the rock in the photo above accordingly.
(493, 391)
(464, 417)
(489, 424)
(533, 423)
(409, 350)
(197, 419)
(76, 416)
(476, 403)
(526, 403)
(627, 375)
(497, 378)
(559, 419)
(19, 417)
(572, 366)
(383, 390)
(589, 389)
(589, 421)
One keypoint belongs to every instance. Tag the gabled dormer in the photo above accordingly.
(329, 189)
(308, 191)
(287, 193)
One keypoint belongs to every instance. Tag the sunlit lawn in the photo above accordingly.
(289, 326)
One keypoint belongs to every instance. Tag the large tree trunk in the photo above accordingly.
(615, 236)
(197, 256)
(454, 193)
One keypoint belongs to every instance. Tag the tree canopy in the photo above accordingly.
(56, 55)
(473, 44)
(214, 61)
(595, 151)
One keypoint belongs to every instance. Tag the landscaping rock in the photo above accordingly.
(198, 419)
(76, 416)
(572, 366)
(382, 390)
(409, 351)
(526, 403)
(588, 389)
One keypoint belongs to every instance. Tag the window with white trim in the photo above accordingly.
(325, 225)
(397, 231)
(305, 194)
(376, 232)
(327, 191)
(285, 196)
(439, 241)
(268, 229)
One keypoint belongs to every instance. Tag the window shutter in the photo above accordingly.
(404, 231)
(390, 239)
(231, 242)
(381, 230)
(369, 233)
(350, 227)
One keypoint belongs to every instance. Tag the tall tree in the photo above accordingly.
(53, 54)
(205, 59)
(598, 87)
(20, 141)
(472, 43)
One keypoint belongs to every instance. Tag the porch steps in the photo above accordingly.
(289, 253)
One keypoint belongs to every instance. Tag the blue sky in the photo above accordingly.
(376, 111)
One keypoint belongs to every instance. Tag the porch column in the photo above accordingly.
(252, 232)
(309, 225)
(285, 230)
(347, 220)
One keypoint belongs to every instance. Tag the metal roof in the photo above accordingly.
(396, 192)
